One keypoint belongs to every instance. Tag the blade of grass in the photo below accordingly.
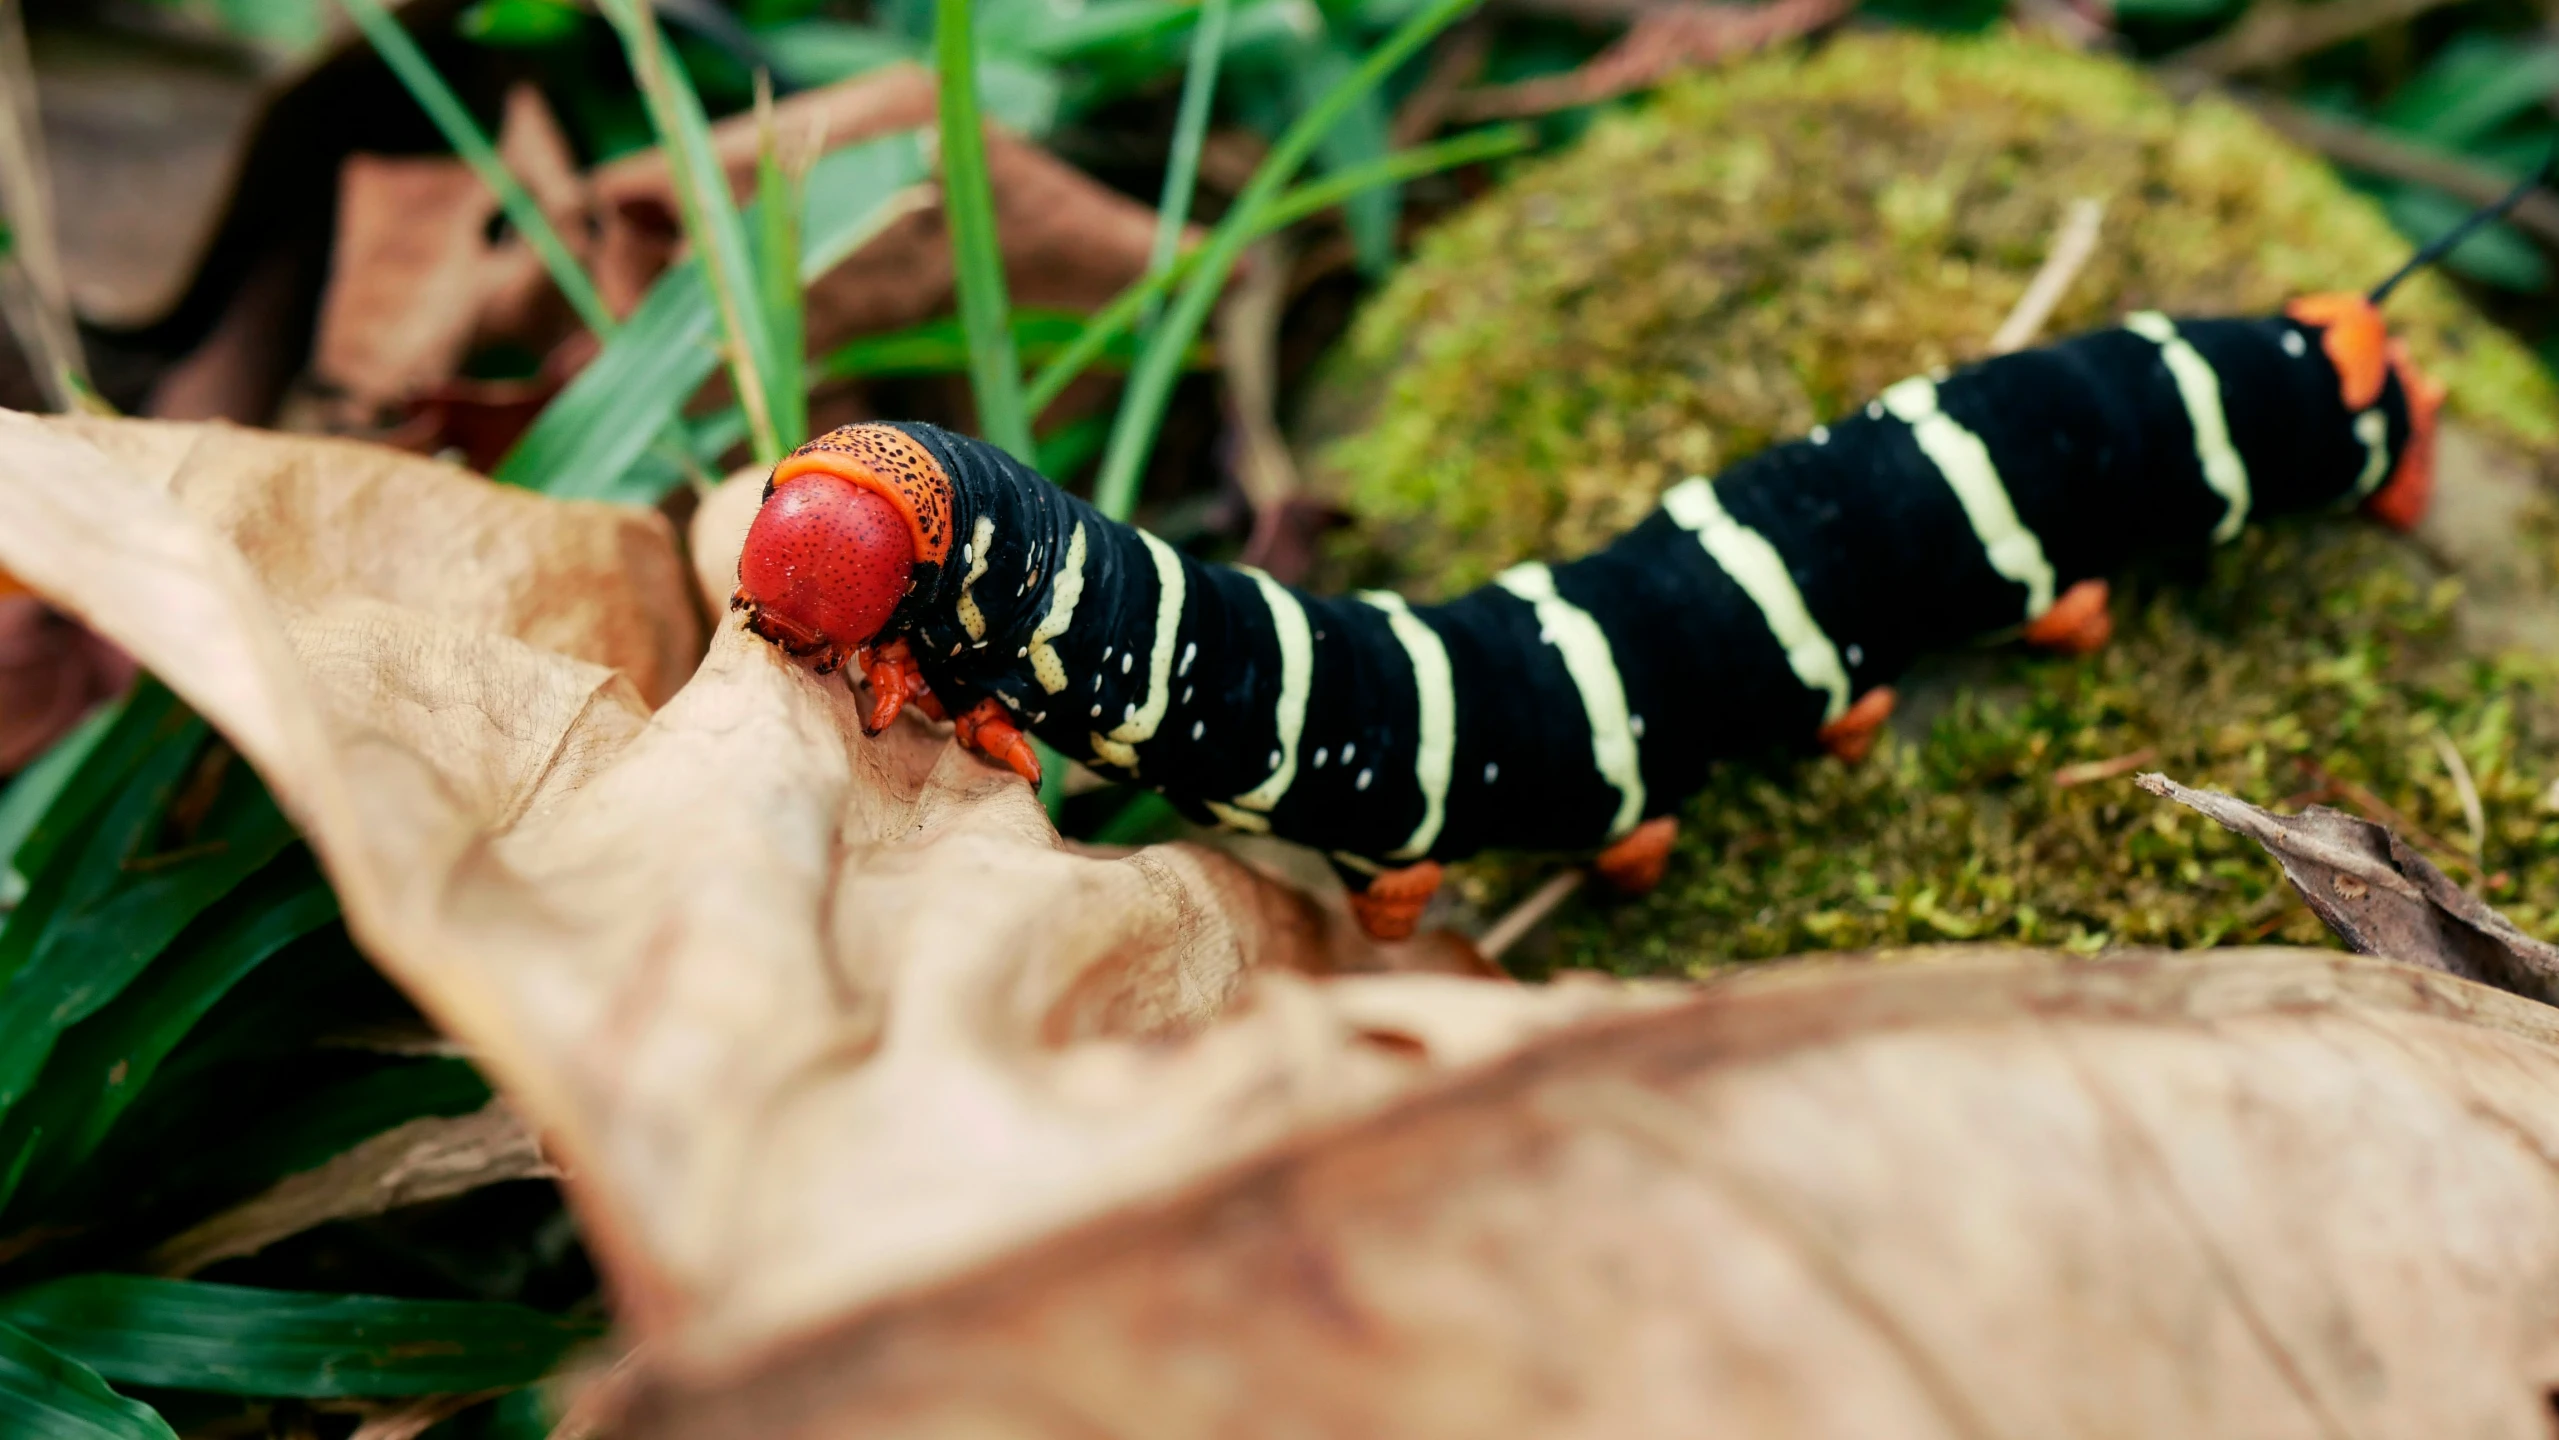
(1190, 131)
(710, 216)
(427, 87)
(1360, 138)
(1118, 317)
(587, 439)
(779, 199)
(1141, 412)
(124, 906)
(33, 792)
(235, 1340)
(151, 729)
(105, 1062)
(35, 298)
(46, 1395)
(968, 199)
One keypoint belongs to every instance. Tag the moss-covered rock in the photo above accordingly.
(1760, 250)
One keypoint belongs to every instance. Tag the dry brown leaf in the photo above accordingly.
(426, 1159)
(2380, 896)
(51, 672)
(805, 1018)
(2238, 1194)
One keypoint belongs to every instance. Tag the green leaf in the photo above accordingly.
(585, 442)
(106, 1061)
(977, 257)
(2172, 10)
(778, 201)
(940, 346)
(235, 1340)
(821, 52)
(147, 717)
(45, 1395)
(1070, 449)
(33, 792)
(520, 24)
(122, 904)
(2476, 85)
(1361, 138)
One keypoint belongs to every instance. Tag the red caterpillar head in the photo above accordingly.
(2359, 346)
(846, 519)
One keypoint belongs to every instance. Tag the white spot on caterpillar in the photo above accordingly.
(2293, 345)
(1097, 712)
(2224, 471)
(1856, 653)
(1128, 712)
(1349, 749)
(1097, 682)
(1635, 726)
(1061, 613)
(1190, 653)
(1754, 565)
(1023, 653)
(1297, 678)
(1874, 410)
(1198, 726)
(1319, 757)
(1126, 661)
(1435, 697)
(1362, 782)
(1821, 435)
(1965, 464)
(1108, 651)
(1593, 667)
(1120, 746)
(1492, 771)
(2373, 429)
(973, 555)
(1186, 694)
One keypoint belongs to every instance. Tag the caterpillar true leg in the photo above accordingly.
(896, 681)
(988, 728)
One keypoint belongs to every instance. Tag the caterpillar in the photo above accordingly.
(1574, 706)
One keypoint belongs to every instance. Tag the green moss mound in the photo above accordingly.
(1763, 249)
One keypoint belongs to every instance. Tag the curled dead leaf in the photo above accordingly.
(2380, 896)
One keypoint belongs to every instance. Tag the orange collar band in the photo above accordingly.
(2356, 341)
(887, 460)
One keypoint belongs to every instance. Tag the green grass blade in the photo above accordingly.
(1362, 137)
(1190, 130)
(234, 1340)
(710, 215)
(995, 373)
(105, 1062)
(123, 905)
(1150, 388)
(1118, 317)
(587, 439)
(445, 108)
(145, 719)
(46, 1395)
(28, 796)
(779, 198)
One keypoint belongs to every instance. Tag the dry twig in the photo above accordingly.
(1529, 913)
(1661, 41)
(2072, 245)
(2360, 148)
(2276, 31)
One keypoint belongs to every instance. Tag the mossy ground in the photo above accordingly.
(1761, 250)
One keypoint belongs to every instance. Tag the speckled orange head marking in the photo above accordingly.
(2355, 340)
(888, 460)
(2401, 501)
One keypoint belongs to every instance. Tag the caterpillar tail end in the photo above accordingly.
(2358, 345)
(1635, 864)
(2402, 499)
(1391, 907)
